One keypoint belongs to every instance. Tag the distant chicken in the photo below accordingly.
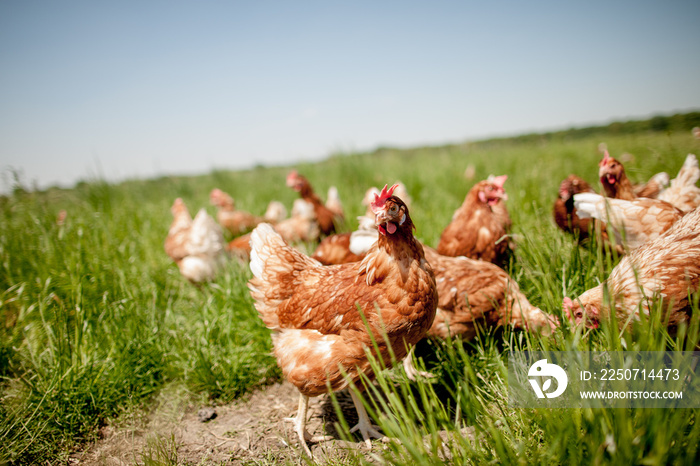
(196, 246)
(618, 186)
(238, 221)
(665, 268)
(479, 228)
(325, 217)
(631, 222)
(300, 227)
(564, 212)
(683, 192)
(275, 213)
(315, 311)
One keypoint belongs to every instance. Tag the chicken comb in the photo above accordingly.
(606, 159)
(291, 177)
(380, 199)
(498, 180)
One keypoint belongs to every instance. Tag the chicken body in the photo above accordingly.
(473, 292)
(666, 268)
(479, 228)
(683, 192)
(653, 187)
(196, 246)
(633, 223)
(318, 331)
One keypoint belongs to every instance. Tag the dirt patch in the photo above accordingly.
(252, 430)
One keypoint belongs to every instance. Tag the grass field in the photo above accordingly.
(96, 320)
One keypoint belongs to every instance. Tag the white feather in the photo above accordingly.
(258, 250)
(362, 240)
(589, 205)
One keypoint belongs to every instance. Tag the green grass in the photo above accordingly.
(95, 320)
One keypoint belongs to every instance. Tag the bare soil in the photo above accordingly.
(249, 431)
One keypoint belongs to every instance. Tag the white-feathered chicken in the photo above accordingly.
(666, 268)
(197, 246)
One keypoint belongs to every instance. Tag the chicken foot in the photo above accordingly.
(300, 425)
(410, 368)
(364, 425)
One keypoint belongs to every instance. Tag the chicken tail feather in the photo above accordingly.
(689, 173)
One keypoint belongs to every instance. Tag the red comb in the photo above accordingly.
(606, 159)
(380, 199)
(499, 180)
(291, 177)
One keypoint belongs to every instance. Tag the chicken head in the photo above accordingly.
(575, 313)
(491, 191)
(390, 211)
(609, 170)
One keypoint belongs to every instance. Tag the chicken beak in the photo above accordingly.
(383, 224)
(380, 222)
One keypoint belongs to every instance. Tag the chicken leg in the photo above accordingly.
(300, 425)
(364, 425)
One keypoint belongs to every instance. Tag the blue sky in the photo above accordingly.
(144, 88)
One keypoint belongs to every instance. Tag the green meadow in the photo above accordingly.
(96, 321)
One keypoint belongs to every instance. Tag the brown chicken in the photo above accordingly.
(564, 211)
(479, 228)
(683, 192)
(631, 222)
(665, 268)
(473, 292)
(324, 216)
(196, 246)
(315, 311)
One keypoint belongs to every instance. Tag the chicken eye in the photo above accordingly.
(393, 209)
